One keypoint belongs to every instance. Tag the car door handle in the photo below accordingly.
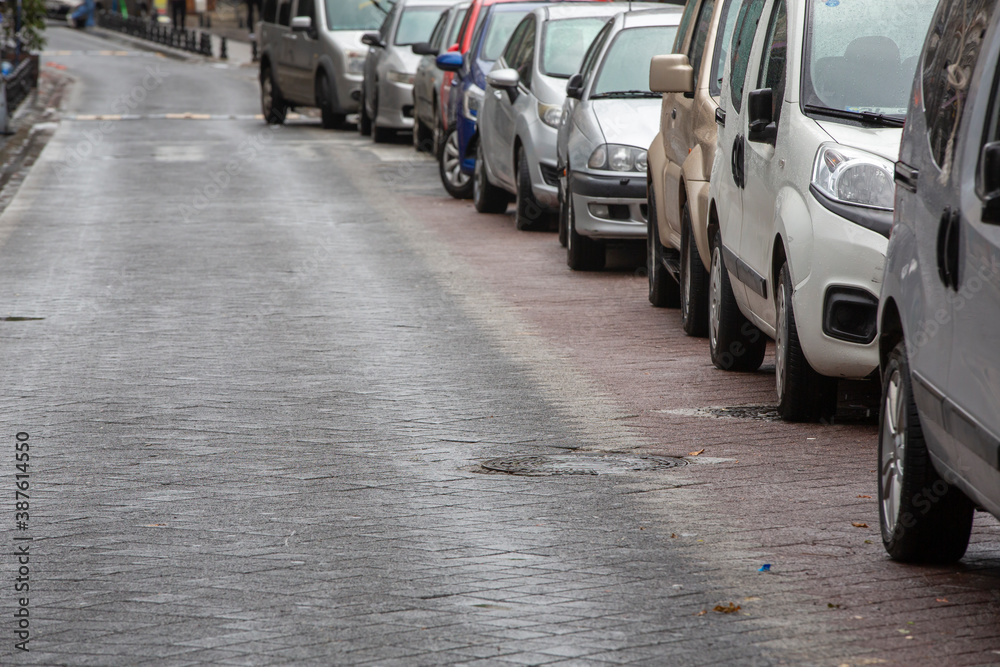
(290, 35)
(720, 116)
(673, 114)
(947, 248)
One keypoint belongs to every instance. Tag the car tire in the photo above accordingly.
(486, 197)
(380, 135)
(803, 394)
(457, 184)
(563, 194)
(364, 120)
(582, 252)
(529, 215)
(273, 106)
(324, 100)
(734, 342)
(923, 518)
(663, 289)
(693, 282)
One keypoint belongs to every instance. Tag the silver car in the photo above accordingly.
(427, 97)
(522, 109)
(610, 116)
(391, 66)
(312, 55)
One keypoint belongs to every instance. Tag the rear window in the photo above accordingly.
(565, 41)
(416, 25)
(355, 15)
(498, 32)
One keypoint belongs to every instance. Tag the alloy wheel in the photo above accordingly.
(715, 298)
(780, 342)
(893, 449)
(453, 162)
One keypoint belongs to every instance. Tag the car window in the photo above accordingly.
(723, 40)
(456, 25)
(564, 43)
(696, 52)
(514, 44)
(285, 13)
(415, 25)
(386, 26)
(774, 63)
(686, 18)
(306, 8)
(953, 44)
(526, 53)
(590, 58)
(437, 34)
(269, 11)
(499, 30)
(746, 28)
(621, 69)
(354, 15)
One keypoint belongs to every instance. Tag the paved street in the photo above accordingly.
(259, 400)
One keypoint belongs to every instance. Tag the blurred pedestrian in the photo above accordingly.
(178, 13)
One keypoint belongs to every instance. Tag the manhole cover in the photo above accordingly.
(580, 464)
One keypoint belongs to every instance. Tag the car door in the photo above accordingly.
(731, 144)
(305, 53)
(763, 176)
(375, 55)
(423, 82)
(521, 58)
(970, 267)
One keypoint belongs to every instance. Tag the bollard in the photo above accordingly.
(253, 49)
(4, 124)
(223, 52)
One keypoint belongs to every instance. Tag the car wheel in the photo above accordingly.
(272, 105)
(364, 120)
(923, 518)
(486, 197)
(803, 394)
(663, 290)
(324, 100)
(582, 252)
(457, 184)
(735, 343)
(380, 135)
(529, 215)
(694, 282)
(563, 194)
(423, 139)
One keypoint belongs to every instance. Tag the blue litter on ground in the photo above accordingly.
(766, 567)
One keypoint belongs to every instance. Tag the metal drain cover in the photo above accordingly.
(579, 464)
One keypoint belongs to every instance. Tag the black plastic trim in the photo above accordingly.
(627, 186)
(744, 273)
(875, 219)
(839, 295)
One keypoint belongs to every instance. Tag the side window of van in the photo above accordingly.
(953, 43)
(269, 11)
(774, 63)
(285, 12)
(746, 28)
(682, 29)
(723, 40)
(696, 52)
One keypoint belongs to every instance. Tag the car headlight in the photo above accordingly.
(852, 176)
(472, 101)
(401, 77)
(355, 62)
(550, 114)
(615, 157)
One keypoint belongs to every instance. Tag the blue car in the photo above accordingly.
(457, 159)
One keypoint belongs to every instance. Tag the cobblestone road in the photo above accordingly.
(258, 405)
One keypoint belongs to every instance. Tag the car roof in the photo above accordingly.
(443, 4)
(665, 16)
(575, 9)
(517, 6)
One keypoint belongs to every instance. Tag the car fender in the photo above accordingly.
(793, 229)
(657, 160)
(697, 201)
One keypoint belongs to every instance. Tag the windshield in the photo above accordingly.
(501, 26)
(355, 14)
(564, 43)
(622, 69)
(416, 25)
(861, 55)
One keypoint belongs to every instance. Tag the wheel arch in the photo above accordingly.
(779, 257)
(890, 330)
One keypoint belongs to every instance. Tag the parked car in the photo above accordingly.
(801, 190)
(429, 78)
(496, 21)
(939, 435)
(391, 65)
(313, 56)
(680, 161)
(522, 109)
(609, 117)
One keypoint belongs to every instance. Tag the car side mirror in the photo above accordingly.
(449, 62)
(760, 112)
(574, 87)
(989, 182)
(423, 49)
(372, 39)
(671, 73)
(505, 79)
(302, 24)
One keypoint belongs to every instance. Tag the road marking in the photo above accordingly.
(101, 52)
(188, 115)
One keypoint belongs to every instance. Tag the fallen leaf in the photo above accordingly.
(903, 631)
(696, 453)
(830, 605)
(868, 541)
(858, 524)
(701, 613)
(864, 496)
(729, 608)
(941, 599)
(673, 534)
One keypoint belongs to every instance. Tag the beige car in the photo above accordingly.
(680, 160)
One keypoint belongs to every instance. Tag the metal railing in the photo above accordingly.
(187, 40)
(21, 81)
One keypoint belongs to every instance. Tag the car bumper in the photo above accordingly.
(845, 259)
(348, 92)
(540, 144)
(395, 105)
(609, 207)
